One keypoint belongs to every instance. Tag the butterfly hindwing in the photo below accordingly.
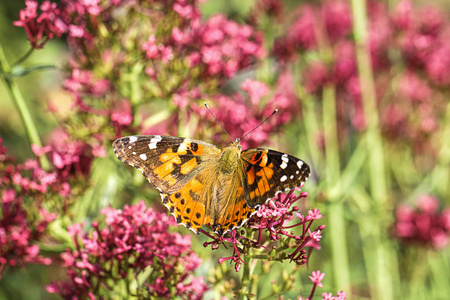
(268, 172)
(210, 198)
(167, 162)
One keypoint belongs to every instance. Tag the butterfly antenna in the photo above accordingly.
(218, 122)
(260, 124)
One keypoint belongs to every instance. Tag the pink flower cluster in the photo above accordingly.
(222, 46)
(23, 225)
(411, 99)
(70, 157)
(426, 225)
(270, 224)
(43, 26)
(242, 112)
(133, 240)
(26, 187)
(183, 55)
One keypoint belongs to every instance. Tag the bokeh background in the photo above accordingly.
(362, 89)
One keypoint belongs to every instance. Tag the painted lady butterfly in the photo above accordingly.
(203, 184)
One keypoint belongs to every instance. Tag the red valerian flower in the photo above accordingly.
(132, 241)
(270, 223)
(23, 220)
(424, 225)
(42, 27)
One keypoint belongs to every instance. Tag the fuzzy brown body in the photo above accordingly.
(203, 184)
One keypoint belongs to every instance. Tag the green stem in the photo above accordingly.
(339, 249)
(331, 136)
(337, 226)
(383, 251)
(16, 96)
(438, 261)
(311, 129)
(136, 92)
(441, 174)
(245, 278)
(368, 95)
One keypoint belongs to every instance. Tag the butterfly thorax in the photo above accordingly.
(230, 158)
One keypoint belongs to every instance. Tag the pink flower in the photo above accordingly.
(414, 88)
(256, 90)
(150, 47)
(317, 278)
(402, 15)
(314, 214)
(428, 204)
(8, 196)
(438, 65)
(337, 19)
(76, 31)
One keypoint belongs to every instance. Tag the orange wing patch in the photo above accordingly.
(235, 215)
(168, 159)
(251, 176)
(188, 166)
(185, 205)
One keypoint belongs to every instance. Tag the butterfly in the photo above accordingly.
(201, 183)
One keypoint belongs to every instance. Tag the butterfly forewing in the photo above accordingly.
(268, 172)
(167, 162)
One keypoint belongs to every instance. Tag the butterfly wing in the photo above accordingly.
(210, 198)
(168, 162)
(268, 172)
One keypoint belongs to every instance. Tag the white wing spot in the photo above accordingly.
(143, 156)
(129, 147)
(299, 164)
(296, 172)
(291, 177)
(283, 178)
(133, 139)
(183, 146)
(134, 153)
(154, 141)
(285, 160)
(156, 138)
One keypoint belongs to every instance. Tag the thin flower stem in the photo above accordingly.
(312, 291)
(23, 58)
(16, 96)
